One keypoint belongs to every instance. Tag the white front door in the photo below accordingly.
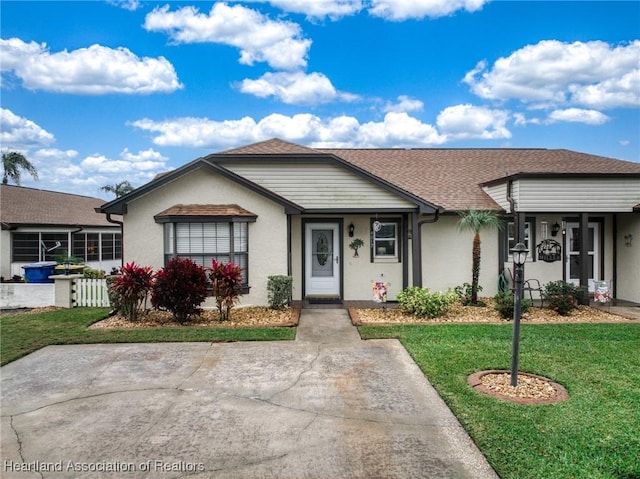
(572, 258)
(322, 259)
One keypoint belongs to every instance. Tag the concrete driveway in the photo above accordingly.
(327, 405)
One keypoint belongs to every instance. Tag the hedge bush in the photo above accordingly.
(425, 304)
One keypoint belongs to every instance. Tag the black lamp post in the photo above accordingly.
(66, 267)
(519, 257)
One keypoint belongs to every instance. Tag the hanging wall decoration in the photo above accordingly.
(549, 250)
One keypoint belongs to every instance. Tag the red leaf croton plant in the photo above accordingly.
(226, 279)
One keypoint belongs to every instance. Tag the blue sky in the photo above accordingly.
(96, 92)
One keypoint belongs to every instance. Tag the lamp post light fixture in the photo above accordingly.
(519, 253)
(66, 267)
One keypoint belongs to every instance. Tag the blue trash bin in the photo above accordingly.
(39, 272)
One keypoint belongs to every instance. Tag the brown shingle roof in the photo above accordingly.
(206, 210)
(451, 177)
(30, 206)
(273, 146)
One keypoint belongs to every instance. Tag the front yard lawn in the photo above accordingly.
(21, 334)
(594, 434)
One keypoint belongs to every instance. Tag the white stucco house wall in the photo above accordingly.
(278, 208)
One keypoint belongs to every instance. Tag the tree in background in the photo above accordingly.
(119, 189)
(13, 163)
(475, 221)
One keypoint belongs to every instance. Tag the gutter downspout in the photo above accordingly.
(416, 245)
(121, 223)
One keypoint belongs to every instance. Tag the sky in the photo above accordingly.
(94, 93)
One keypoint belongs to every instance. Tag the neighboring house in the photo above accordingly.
(278, 208)
(39, 225)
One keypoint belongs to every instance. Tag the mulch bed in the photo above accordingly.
(240, 317)
(530, 389)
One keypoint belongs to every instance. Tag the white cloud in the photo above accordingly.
(95, 70)
(260, 39)
(404, 104)
(592, 74)
(295, 88)
(131, 5)
(314, 9)
(463, 122)
(129, 164)
(399, 10)
(576, 115)
(520, 120)
(397, 129)
(17, 132)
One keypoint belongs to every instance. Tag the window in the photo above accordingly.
(26, 247)
(86, 246)
(203, 242)
(50, 247)
(529, 237)
(108, 246)
(385, 241)
(32, 247)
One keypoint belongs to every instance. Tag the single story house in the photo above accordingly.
(278, 208)
(39, 225)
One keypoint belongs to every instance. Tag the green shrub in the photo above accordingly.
(562, 297)
(423, 303)
(465, 293)
(226, 279)
(504, 304)
(180, 287)
(130, 288)
(90, 273)
(279, 289)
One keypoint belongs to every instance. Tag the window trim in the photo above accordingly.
(397, 258)
(530, 244)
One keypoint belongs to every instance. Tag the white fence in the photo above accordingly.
(90, 292)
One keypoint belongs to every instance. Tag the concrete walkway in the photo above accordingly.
(326, 405)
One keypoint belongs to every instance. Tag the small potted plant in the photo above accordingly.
(355, 245)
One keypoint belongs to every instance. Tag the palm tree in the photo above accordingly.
(474, 220)
(119, 189)
(12, 163)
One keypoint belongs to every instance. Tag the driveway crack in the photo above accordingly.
(299, 377)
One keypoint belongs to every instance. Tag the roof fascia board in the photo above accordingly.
(339, 211)
(559, 176)
(424, 206)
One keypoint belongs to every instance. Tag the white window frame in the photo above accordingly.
(529, 234)
(384, 257)
(238, 244)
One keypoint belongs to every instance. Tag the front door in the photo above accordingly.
(322, 259)
(572, 258)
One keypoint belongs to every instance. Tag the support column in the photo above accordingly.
(584, 254)
(416, 250)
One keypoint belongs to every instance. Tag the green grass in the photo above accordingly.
(21, 334)
(595, 434)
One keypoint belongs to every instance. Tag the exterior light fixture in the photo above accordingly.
(628, 239)
(519, 253)
(66, 267)
(555, 229)
(352, 230)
